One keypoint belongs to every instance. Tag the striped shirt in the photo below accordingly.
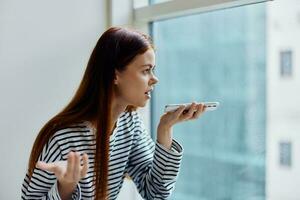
(152, 167)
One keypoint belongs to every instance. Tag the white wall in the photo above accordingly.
(44, 48)
(283, 113)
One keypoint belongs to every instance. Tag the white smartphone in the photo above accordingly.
(209, 106)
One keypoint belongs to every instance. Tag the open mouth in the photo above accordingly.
(148, 93)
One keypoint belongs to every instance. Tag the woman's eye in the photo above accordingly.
(147, 71)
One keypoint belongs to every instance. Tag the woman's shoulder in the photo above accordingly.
(129, 116)
(69, 138)
(128, 122)
(79, 129)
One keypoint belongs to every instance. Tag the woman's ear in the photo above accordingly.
(116, 78)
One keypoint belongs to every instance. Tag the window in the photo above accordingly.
(216, 56)
(285, 149)
(286, 63)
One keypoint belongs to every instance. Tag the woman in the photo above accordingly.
(86, 150)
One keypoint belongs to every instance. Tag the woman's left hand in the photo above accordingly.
(182, 114)
(169, 119)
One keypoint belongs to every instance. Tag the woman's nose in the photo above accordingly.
(154, 79)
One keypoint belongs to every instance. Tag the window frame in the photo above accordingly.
(177, 8)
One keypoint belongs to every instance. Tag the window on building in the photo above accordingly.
(286, 63)
(285, 149)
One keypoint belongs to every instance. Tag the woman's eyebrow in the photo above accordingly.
(149, 65)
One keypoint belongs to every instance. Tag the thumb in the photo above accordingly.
(51, 167)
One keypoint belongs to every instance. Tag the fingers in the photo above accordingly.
(85, 165)
(190, 112)
(179, 111)
(77, 166)
(200, 110)
(71, 163)
(194, 111)
(74, 170)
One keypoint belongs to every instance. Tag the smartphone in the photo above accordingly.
(209, 106)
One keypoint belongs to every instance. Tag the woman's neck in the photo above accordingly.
(117, 110)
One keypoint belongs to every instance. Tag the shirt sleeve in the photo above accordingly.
(153, 168)
(42, 184)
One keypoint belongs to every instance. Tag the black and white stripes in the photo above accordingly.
(152, 167)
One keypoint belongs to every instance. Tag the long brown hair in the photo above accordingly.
(115, 49)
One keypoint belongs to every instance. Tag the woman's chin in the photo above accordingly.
(142, 104)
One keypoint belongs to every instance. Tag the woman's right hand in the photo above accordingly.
(68, 173)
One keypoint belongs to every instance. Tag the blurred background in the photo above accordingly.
(242, 53)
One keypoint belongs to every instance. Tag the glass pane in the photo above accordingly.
(216, 56)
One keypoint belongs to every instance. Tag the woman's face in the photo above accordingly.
(135, 83)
